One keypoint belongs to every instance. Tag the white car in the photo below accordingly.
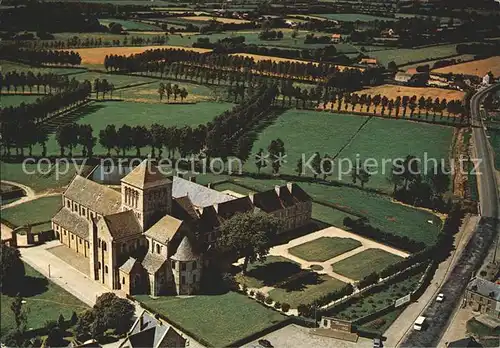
(440, 297)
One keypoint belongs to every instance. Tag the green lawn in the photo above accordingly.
(494, 134)
(99, 115)
(324, 248)
(44, 301)
(314, 288)
(129, 24)
(11, 66)
(352, 17)
(269, 272)
(38, 177)
(307, 132)
(362, 264)
(382, 139)
(405, 56)
(118, 81)
(38, 210)
(149, 93)
(217, 319)
(16, 100)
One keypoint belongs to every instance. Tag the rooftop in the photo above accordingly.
(145, 175)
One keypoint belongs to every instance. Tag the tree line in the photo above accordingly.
(39, 57)
(21, 126)
(161, 60)
(28, 79)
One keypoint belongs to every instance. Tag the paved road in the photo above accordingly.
(440, 314)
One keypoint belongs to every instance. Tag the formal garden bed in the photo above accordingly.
(324, 248)
(362, 264)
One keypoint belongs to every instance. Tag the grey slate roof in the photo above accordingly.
(97, 197)
(164, 229)
(153, 262)
(128, 265)
(150, 332)
(183, 208)
(199, 195)
(485, 288)
(122, 224)
(145, 175)
(72, 222)
(184, 251)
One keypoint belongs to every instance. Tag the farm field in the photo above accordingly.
(309, 290)
(19, 67)
(119, 81)
(362, 264)
(31, 212)
(129, 24)
(16, 100)
(460, 58)
(44, 301)
(218, 19)
(324, 248)
(99, 115)
(149, 93)
(423, 140)
(393, 91)
(273, 270)
(477, 67)
(226, 318)
(39, 177)
(405, 56)
(95, 56)
(305, 132)
(352, 17)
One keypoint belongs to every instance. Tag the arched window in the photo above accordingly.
(104, 248)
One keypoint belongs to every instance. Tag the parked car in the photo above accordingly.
(419, 323)
(377, 343)
(265, 343)
(440, 298)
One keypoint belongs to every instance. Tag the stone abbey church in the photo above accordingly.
(152, 236)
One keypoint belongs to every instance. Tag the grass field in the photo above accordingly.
(269, 272)
(149, 93)
(129, 24)
(324, 248)
(477, 67)
(405, 56)
(218, 19)
(99, 115)
(494, 134)
(307, 292)
(362, 264)
(94, 56)
(425, 141)
(38, 210)
(39, 177)
(393, 91)
(44, 301)
(16, 100)
(351, 17)
(223, 319)
(307, 132)
(19, 67)
(119, 81)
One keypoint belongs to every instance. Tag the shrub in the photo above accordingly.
(260, 296)
(268, 300)
(285, 307)
(74, 318)
(251, 292)
(370, 279)
(277, 305)
(305, 310)
(245, 288)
